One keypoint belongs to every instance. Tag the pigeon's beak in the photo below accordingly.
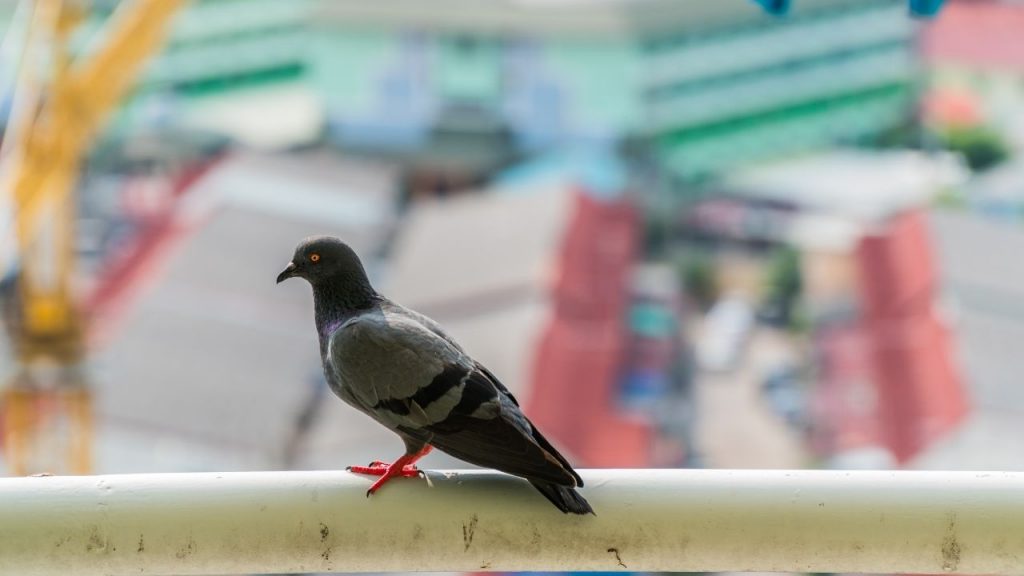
(288, 272)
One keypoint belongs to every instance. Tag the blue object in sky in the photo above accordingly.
(777, 7)
(926, 8)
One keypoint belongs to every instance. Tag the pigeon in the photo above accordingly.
(404, 371)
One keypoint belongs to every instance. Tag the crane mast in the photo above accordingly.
(47, 406)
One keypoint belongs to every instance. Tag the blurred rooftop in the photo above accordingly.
(216, 308)
(860, 185)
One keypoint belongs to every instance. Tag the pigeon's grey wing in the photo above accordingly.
(487, 428)
(431, 325)
(393, 308)
(497, 383)
(396, 370)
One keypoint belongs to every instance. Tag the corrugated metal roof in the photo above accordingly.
(213, 365)
(451, 253)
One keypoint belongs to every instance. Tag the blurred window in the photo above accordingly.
(469, 70)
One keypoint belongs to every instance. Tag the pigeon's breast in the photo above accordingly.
(337, 383)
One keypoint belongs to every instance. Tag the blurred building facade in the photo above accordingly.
(701, 86)
(217, 45)
(237, 68)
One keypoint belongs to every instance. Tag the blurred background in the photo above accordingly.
(683, 233)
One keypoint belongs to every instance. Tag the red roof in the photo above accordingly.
(977, 33)
(581, 353)
(892, 378)
(920, 392)
(898, 272)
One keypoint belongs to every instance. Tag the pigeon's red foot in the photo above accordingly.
(377, 468)
(403, 467)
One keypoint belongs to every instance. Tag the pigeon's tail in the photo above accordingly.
(565, 498)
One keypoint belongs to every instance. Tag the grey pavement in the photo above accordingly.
(736, 427)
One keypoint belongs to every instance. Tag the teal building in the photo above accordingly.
(699, 85)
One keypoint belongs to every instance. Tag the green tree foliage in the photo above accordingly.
(785, 284)
(980, 146)
(699, 279)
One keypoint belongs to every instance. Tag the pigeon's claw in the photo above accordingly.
(404, 467)
(393, 471)
(374, 469)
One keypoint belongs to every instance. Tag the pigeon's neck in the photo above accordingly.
(335, 302)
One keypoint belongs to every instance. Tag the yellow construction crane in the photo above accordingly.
(47, 408)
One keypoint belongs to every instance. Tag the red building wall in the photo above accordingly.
(580, 356)
(910, 351)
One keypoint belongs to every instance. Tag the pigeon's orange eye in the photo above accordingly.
(314, 257)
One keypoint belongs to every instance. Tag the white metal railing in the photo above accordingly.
(647, 520)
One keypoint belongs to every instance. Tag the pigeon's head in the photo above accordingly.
(324, 258)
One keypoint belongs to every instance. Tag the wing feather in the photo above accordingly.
(488, 429)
